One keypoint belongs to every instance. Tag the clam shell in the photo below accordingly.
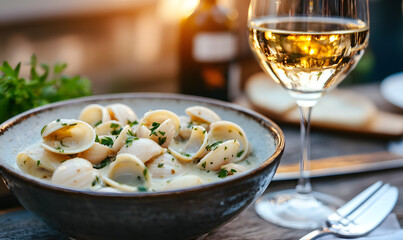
(121, 139)
(39, 162)
(94, 114)
(67, 136)
(233, 168)
(185, 126)
(202, 114)
(122, 113)
(128, 173)
(194, 147)
(223, 154)
(76, 173)
(160, 116)
(96, 153)
(165, 166)
(143, 148)
(165, 133)
(184, 182)
(109, 128)
(225, 130)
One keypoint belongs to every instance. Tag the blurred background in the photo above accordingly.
(133, 45)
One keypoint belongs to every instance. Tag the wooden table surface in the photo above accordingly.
(19, 224)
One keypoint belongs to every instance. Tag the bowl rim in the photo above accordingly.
(274, 128)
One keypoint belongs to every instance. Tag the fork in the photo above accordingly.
(360, 215)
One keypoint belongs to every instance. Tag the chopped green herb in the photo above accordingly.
(104, 163)
(107, 141)
(240, 134)
(319, 74)
(225, 148)
(240, 153)
(162, 140)
(97, 139)
(132, 123)
(213, 146)
(114, 125)
(98, 123)
(130, 133)
(233, 170)
(160, 165)
(116, 131)
(173, 159)
(162, 133)
(58, 120)
(73, 124)
(204, 132)
(64, 124)
(96, 181)
(223, 173)
(154, 126)
(203, 165)
(129, 140)
(38, 162)
(43, 129)
(190, 124)
(185, 154)
(142, 189)
(195, 128)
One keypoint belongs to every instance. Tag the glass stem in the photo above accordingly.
(304, 184)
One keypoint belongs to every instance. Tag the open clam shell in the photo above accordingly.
(122, 113)
(96, 153)
(194, 147)
(94, 114)
(222, 154)
(160, 116)
(221, 131)
(165, 166)
(67, 136)
(184, 182)
(143, 148)
(128, 173)
(39, 162)
(76, 173)
(112, 127)
(202, 114)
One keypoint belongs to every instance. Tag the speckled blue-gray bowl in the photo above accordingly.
(176, 214)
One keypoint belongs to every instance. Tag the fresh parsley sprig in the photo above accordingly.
(18, 94)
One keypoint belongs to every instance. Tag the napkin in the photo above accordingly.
(388, 230)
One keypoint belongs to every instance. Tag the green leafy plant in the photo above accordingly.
(18, 94)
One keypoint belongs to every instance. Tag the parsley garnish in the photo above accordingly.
(64, 124)
(160, 165)
(142, 189)
(96, 181)
(203, 165)
(98, 123)
(185, 154)
(240, 153)
(104, 163)
(129, 140)
(204, 131)
(116, 131)
(130, 133)
(213, 146)
(132, 123)
(233, 170)
(43, 129)
(190, 124)
(223, 173)
(97, 139)
(107, 141)
(58, 120)
(114, 125)
(162, 133)
(38, 162)
(240, 134)
(162, 140)
(154, 125)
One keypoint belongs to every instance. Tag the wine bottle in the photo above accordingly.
(208, 48)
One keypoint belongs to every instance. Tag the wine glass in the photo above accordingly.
(307, 46)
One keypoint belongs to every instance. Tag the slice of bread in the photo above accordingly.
(338, 108)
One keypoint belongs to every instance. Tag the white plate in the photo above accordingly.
(392, 89)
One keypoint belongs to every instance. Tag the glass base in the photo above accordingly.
(299, 211)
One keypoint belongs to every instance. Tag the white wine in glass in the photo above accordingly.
(307, 46)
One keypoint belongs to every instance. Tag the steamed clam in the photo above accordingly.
(128, 173)
(194, 147)
(76, 173)
(67, 136)
(122, 113)
(94, 114)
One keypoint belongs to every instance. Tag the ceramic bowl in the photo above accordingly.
(177, 214)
